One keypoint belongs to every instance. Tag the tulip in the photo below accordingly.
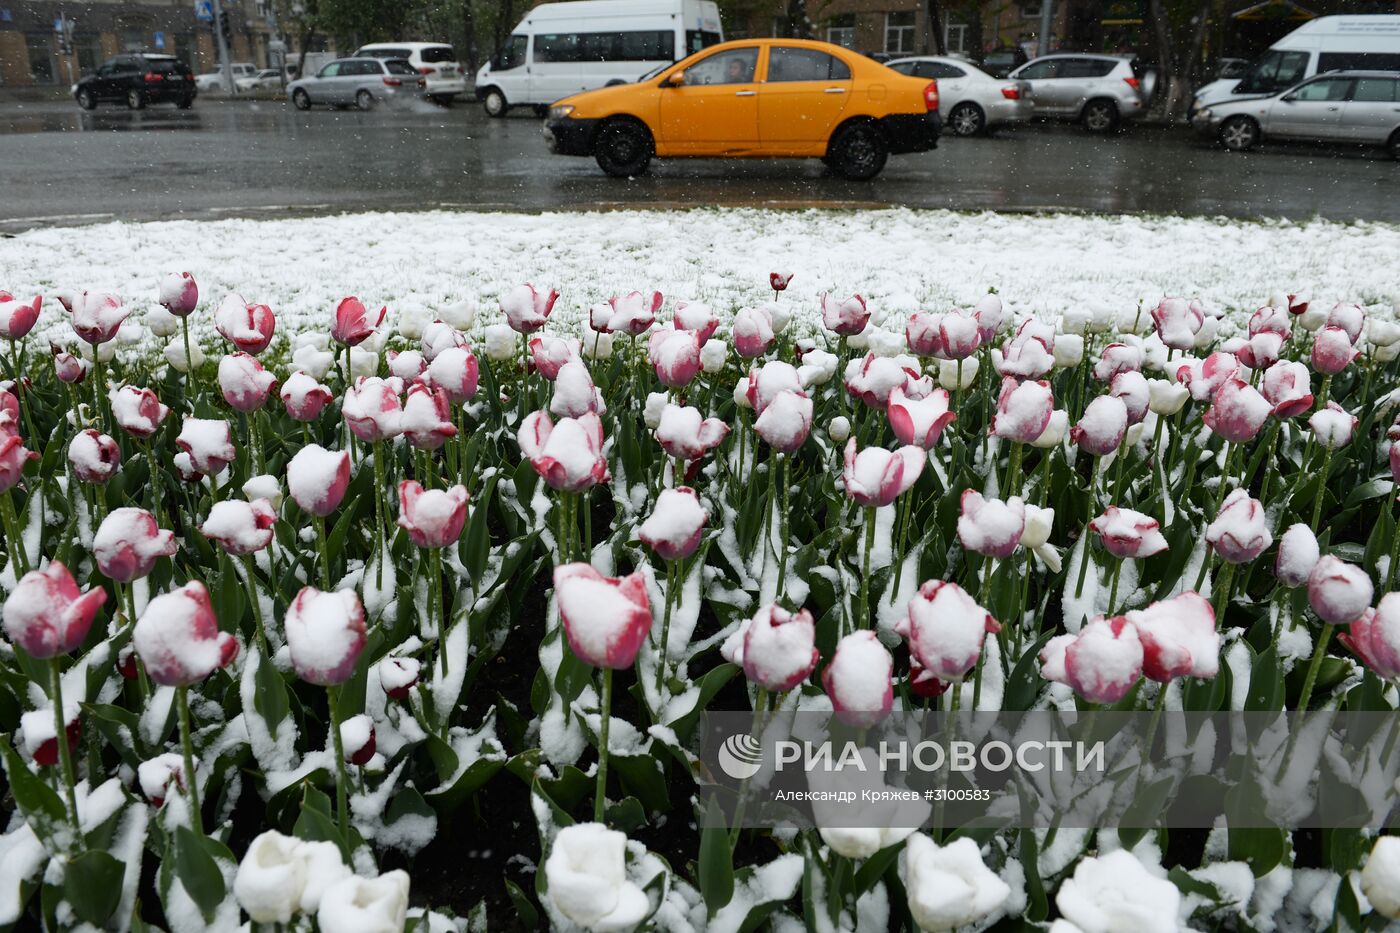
(1113, 892)
(1298, 554)
(1104, 660)
(776, 648)
(1100, 431)
(185, 469)
(764, 384)
(240, 528)
(304, 397)
(527, 309)
(696, 317)
(208, 443)
(155, 776)
(959, 335)
(17, 318)
(922, 334)
(1117, 358)
(1333, 426)
(1349, 317)
(675, 525)
(1029, 354)
(872, 378)
(1023, 410)
(178, 293)
(41, 741)
(68, 368)
(958, 375)
(398, 676)
(1165, 398)
(1270, 320)
(1068, 351)
(919, 421)
(752, 332)
(575, 395)
(858, 680)
(138, 411)
(948, 887)
(1237, 411)
(839, 429)
(178, 637)
(1261, 350)
(714, 355)
(318, 478)
(1332, 351)
(778, 281)
(1382, 334)
(408, 365)
(990, 527)
(439, 336)
(1128, 534)
(1338, 592)
(1132, 388)
(433, 518)
(47, 615)
(1178, 638)
(876, 477)
(1205, 378)
(93, 457)
(1054, 433)
(366, 905)
(266, 487)
(427, 419)
(270, 878)
(244, 382)
(684, 435)
(1375, 638)
(13, 456)
(352, 323)
(587, 879)
(325, 635)
(372, 410)
(1287, 387)
(456, 372)
(785, 422)
(632, 313)
(568, 455)
(547, 354)
(248, 327)
(1240, 531)
(128, 543)
(844, 316)
(357, 740)
(675, 355)
(96, 317)
(1177, 321)
(945, 628)
(1380, 879)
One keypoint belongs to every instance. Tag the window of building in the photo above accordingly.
(88, 48)
(41, 70)
(1030, 10)
(133, 40)
(841, 30)
(899, 32)
(955, 37)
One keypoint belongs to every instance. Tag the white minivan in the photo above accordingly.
(578, 45)
(435, 61)
(1328, 43)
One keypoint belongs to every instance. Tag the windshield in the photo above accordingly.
(1274, 72)
(512, 54)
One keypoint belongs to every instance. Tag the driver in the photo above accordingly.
(736, 71)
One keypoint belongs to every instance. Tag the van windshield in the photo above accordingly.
(512, 54)
(1274, 72)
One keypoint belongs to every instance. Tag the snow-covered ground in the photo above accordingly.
(901, 260)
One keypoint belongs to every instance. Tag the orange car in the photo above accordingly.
(753, 97)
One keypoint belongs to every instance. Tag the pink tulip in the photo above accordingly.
(575, 395)
(765, 383)
(456, 372)
(68, 368)
(1288, 388)
(844, 316)
(632, 313)
(1375, 638)
(1337, 591)
(785, 422)
(923, 335)
(357, 740)
(778, 281)
(858, 680)
(567, 455)
(1105, 660)
(178, 293)
(1298, 554)
(1177, 321)
(1333, 426)
(1332, 351)
(437, 337)
(1023, 410)
(47, 615)
(1024, 357)
(676, 524)
(13, 457)
(352, 323)
(697, 318)
(185, 469)
(432, 518)
(1131, 386)
(247, 327)
(752, 332)
(990, 316)
(683, 434)
(1237, 411)
(427, 418)
(1349, 317)
(1128, 534)
(138, 411)
(240, 527)
(304, 397)
(675, 355)
(9, 411)
(1178, 638)
(398, 676)
(945, 628)
(318, 478)
(325, 635)
(606, 619)
(991, 527)
(919, 421)
(777, 649)
(1261, 350)
(372, 410)
(93, 457)
(17, 318)
(872, 378)
(129, 542)
(96, 317)
(959, 334)
(1395, 462)
(527, 309)
(1117, 358)
(548, 354)
(1297, 304)
(408, 365)
(876, 477)
(157, 775)
(1240, 531)
(1205, 378)
(178, 637)
(209, 444)
(1270, 320)
(45, 753)
(244, 382)
(1100, 430)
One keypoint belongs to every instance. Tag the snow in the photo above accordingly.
(949, 886)
(365, 905)
(1114, 892)
(586, 873)
(272, 752)
(355, 733)
(157, 774)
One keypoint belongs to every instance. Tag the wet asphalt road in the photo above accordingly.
(244, 158)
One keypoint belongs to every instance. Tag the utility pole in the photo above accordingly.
(1047, 17)
(221, 34)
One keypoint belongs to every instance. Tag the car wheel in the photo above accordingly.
(364, 100)
(1239, 133)
(185, 103)
(495, 103)
(967, 119)
(1394, 145)
(1099, 116)
(301, 100)
(86, 100)
(135, 100)
(442, 100)
(857, 152)
(623, 148)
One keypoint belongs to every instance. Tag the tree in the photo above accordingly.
(1179, 35)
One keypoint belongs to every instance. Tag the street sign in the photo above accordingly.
(160, 40)
(204, 10)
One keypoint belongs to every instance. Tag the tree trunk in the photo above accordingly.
(1172, 94)
(469, 31)
(308, 32)
(935, 27)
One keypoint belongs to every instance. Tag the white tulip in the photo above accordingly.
(410, 323)
(1069, 350)
(365, 905)
(1055, 430)
(839, 429)
(461, 314)
(270, 878)
(1380, 879)
(1166, 398)
(656, 404)
(586, 874)
(175, 355)
(1114, 892)
(324, 870)
(501, 342)
(948, 373)
(714, 355)
(315, 362)
(363, 362)
(949, 886)
(161, 322)
(264, 487)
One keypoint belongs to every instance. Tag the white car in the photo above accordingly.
(269, 79)
(213, 81)
(435, 61)
(970, 101)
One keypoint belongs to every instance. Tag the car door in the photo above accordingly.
(1373, 112)
(102, 81)
(126, 71)
(1044, 77)
(801, 99)
(325, 88)
(1310, 111)
(714, 111)
(952, 82)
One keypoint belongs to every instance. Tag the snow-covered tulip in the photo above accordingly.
(1349, 317)
(1117, 358)
(990, 527)
(1237, 411)
(1332, 351)
(209, 444)
(1029, 354)
(1339, 592)
(247, 327)
(606, 619)
(1395, 462)
(786, 421)
(1333, 426)
(575, 395)
(1261, 351)
(697, 317)
(1240, 531)
(875, 477)
(13, 456)
(945, 628)
(777, 649)
(844, 316)
(872, 378)
(357, 739)
(433, 517)
(1178, 638)
(178, 293)
(372, 410)
(17, 318)
(919, 421)
(1177, 321)
(408, 365)
(304, 397)
(1101, 428)
(318, 478)
(1055, 431)
(266, 487)
(93, 456)
(325, 635)
(244, 383)
(178, 637)
(567, 455)
(427, 418)
(137, 410)
(174, 354)
(47, 615)
(1165, 398)
(456, 371)
(858, 680)
(1270, 320)
(1023, 410)
(778, 281)
(958, 375)
(1128, 534)
(1204, 378)
(185, 468)
(959, 335)
(1113, 893)
(397, 676)
(1288, 388)
(714, 355)
(1382, 334)
(352, 324)
(240, 527)
(365, 905)
(684, 434)
(949, 886)
(439, 336)
(632, 313)
(752, 332)
(1375, 638)
(1068, 350)
(162, 323)
(548, 353)
(1104, 660)
(156, 775)
(40, 741)
(68, 368)
(526, 308)
(500, 342)
(764, 384)
(921, 334)
(315, 361)
(675, 525)
(586, 874)
(675, 356)
(1380, 879)
(991, 316)
(1298, 554)
(1132, 388)
(96, 317)
(129, 542)
(839, 429)
(270, 878)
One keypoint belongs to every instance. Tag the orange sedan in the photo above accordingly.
(753, 98)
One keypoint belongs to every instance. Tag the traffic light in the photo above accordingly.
(224, 29)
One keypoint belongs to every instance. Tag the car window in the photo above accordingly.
(734, 66)
(904, 68)
(330, 71)
(1376, 90)
(384, 53)
(400, 67)
(791, 64)
(1036, 71)
(1274, 72)
(1086, 68)
(512, 54)
(438, 53)
(1358, 61)
(938, 70)
(1325, 89)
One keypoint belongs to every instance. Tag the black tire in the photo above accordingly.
(857, 152)
(300, 99)
(185, 103)
(494, 103)
(541, 110)
(364, 100)
(623, 148)
(135, 100)
(442, 100)
(1099, 116)
(967, 119)
(86, 100)
(1239, 133)
(1393, 147)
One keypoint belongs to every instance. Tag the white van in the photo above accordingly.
(1328, 43)
(564, 48)
(435, 61)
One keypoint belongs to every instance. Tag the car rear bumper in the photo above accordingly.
(569, 137)
(1010, 111)
(911, 132)
(446, 86)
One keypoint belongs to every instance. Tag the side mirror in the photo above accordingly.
(674, 79)
(1288, 98)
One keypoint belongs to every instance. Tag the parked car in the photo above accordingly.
(214, 80)
(138, 79)
(1345, 106)
(1001, 62)
(970, 101)
(754, 98)
(361, 82)
(435, 61)
(1097, 91)
(268, 79)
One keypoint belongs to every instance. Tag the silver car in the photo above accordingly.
(1343, 106)
(1097, 91)
(361, 82)
(970, 100)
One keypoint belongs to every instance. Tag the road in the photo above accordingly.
(244, 158)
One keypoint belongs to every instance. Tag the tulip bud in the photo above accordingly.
(247, 327)
(1333, 426)
(1332, 351)
(178, 637)
(945, 628)
(1104, 660)
(1100, 430)
(676, 523)
(128, 543)
(94, 457)
(526, 309)
(47, 615)
(157, 774)
(398, 676)
(325, 635)
(1068, 350)
(567, 455)
(776, 648)
(586, 875)
(1023, 410)
(271, 878)
(17, 318)
(372, 410)
(427, 420)
(318, 478)
(312, 361)
(162, 323)
(178, 293)
(1338, 592)
(1237, 411)
(68, 368)
(240, 527)
(365, 905)
(876, 477)
(1298, 554)
(138, 411)
(948, 886)
(1128, 534)
(1287, 387)
(606, 619)
(1380, 879)
(858, 680)
(839, 429)
(96, 317)
(501, 344)
(846, 316)
(357, 739)
(991, 527)
(1166, 398)
(785, 422)
(208, 443)
(38, 738)
(244, 383)
(714, 355)
(1055, 430)
(1240, 532)
(433, 518)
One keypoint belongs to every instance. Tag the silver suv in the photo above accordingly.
(1361, 107)
(1097, 91)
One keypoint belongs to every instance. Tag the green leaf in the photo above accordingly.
(1263, 849)
(198, 872)
(270, 698)
(1372, 490)
(1266, 690)
(715, 870)
(92, 883)
(525, 911)
(39, 802)
(315, 823)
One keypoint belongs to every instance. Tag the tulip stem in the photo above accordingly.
(1222, 588)
(342, 804)
(605, 711)
(904, 505)
(189, 360)
(379, 529)
(97, 389)
(437, 606)
(325, 553)
(1313, 666)
(783, 528)
(760, 702)
(770, 505)
(1118, 470)
(14, 538)
(1088, 554)
(1113, 587)
(1013, 469)
(156, 482)
(65, 755)
(256, 600)
(128, 592)
(1394, 557)
(865, 568)
(182, 706)
(665, 628)
(1321, 488)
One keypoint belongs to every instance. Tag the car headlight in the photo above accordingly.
(1205, 114)
(561, 111)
